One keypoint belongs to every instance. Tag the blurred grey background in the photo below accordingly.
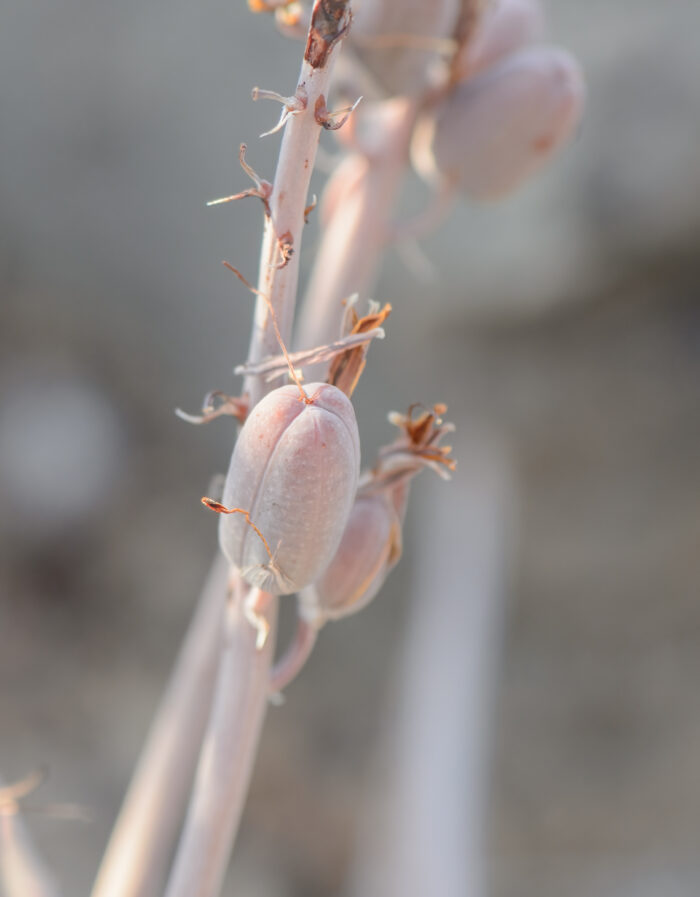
(565, 321)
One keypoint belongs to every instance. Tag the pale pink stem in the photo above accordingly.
(295, 656)
(290, 189)
(22, 871)
(425, 830)
(136, 860)
(354, 239)
(240, 698)
(227, 755)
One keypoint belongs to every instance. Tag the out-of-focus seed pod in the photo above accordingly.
(493, 131)
(368, 551)
(399, 40)
(506, 26)
(294, 469)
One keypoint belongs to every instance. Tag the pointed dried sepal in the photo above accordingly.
(494, 131)
(217, 404)
(346, 368)
(417, 447)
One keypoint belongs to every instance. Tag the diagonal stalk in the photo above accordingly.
(240, 698)
(136, 860)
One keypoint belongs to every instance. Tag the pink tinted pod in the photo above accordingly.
(294, 468)
(369, 549)
(506, 26)
(494, 131)
(399, 41)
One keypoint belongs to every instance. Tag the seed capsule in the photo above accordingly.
(294, 470)
(399, 41)
(506, 27)
(368, 551)
(494, 131)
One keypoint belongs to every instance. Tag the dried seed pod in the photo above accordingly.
(371, 544)
(368, 551)
(294, 469)
(399, 41)
(493, 131)
(506, 26)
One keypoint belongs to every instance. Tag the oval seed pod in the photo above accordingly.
(368, 551)
(399, 41)
(506, 26)
(493, 131)
(294, 469)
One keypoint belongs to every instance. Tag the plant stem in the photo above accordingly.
(240, 700)
(137, 855)
(426, 829)
(355, 238)
(22, 871)
(227, 756)
(287, 202)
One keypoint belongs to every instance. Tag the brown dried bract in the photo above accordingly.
(285, 244)
(418, 446)
(346, 368)
(218, 404)
(329, 21)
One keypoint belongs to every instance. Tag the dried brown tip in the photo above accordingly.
(262, 189)
(419, 443)
(257, 6)
(217, 404)
(219, 508)
(346, 368)
(309, 209)
(329, 22)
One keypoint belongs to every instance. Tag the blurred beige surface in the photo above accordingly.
(567, 321)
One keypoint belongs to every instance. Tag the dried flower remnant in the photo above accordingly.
(217, 404)
(347, 367)
(495, 130)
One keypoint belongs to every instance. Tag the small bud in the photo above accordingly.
(493, 131)
(293, 474)
(506, 27)
(369, 549)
